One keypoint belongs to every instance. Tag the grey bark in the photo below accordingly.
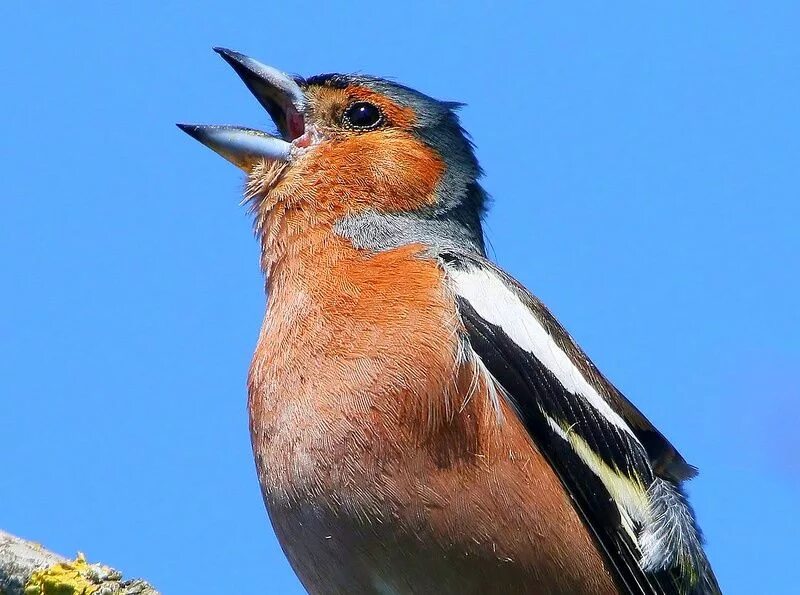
(20, 558)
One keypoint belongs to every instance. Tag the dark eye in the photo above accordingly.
(362, 116)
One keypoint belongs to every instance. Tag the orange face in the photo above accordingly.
(360, 153)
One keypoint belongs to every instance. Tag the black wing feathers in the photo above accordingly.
(620, 450)
(525, 381)
(664, 457)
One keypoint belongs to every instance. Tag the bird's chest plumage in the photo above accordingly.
(352, 385)
(347, 357)
(384, 465)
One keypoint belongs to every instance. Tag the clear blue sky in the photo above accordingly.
(644, 165)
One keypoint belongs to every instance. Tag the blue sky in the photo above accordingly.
(644, 170)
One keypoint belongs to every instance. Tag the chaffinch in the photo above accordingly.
(420, 422)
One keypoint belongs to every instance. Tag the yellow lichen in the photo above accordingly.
(76, 577)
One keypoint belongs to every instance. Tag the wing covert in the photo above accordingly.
(622, 474)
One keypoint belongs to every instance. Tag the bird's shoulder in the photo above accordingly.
(498, 297)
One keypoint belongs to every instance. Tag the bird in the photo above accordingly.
(420, 421)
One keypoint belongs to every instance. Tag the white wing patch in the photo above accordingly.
(629, 495)
(498, 304)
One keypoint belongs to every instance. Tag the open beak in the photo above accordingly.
(283, 99)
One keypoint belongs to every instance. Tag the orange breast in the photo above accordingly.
(384, 465)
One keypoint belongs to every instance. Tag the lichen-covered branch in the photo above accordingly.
(26, 568)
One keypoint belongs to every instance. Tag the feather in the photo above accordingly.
(623, 475)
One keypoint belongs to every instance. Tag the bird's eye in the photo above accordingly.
(363, 116)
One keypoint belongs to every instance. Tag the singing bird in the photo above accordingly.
(420, 422)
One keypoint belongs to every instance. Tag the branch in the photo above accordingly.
(26, 568)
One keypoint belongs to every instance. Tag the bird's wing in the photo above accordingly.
(622, 474)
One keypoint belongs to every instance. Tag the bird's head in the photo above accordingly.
(376, 162)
